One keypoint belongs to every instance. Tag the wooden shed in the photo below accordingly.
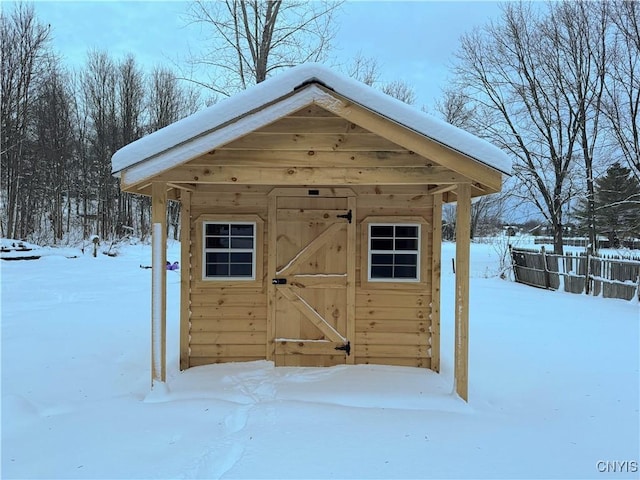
(311, 225)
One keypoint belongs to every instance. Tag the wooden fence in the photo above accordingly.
(583, 242)
(611, 277)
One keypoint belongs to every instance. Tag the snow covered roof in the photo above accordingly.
(162, 142)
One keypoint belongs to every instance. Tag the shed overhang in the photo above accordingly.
(443, 149)
(281, 144)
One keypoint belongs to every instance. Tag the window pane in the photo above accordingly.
(217, 257)
(242, 257)
(400, 271)
(217, 229)
(382, 230)
(407, 244)
(241, 270)
(242, 230)
(241, 242)
(217, 242)
(381, 244)
(217, 270)
(381, 259)
(406, 231)
(401, 259)
(378, 271)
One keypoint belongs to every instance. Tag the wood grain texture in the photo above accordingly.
(159, 285)
(185, 276)
(463, 244)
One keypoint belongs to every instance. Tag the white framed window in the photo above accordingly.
(394, 252)
(229, 250)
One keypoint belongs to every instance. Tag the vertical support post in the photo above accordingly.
(351, 280)
(587, 273)
(513, 263)
(547, 277)
(185, 276)
(158, 283)
(272, 233)
(463, 253)
(436, 268)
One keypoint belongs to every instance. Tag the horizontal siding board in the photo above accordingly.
(228, 338)
(317, 125)
(252, 298)
(412, 202)
(311, 158)
(222, 350)
(392, 326)
(313, 141)
(242, 313)
(392, 313)
(227, 325)
(396, 361)
(199, 361)
(307, 348)
(230, 200)
(391, 338)
(301, 175)
(378, 299)
(399, 351)
(222, 210)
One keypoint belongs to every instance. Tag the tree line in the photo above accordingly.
(555, 85)
(59, 130)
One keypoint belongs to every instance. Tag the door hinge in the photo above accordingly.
(345, 348)
(279, 281)
(347, 215)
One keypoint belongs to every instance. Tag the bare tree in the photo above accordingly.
(250, 39)
(23, 45)
(54, 149)
(401, 90)
(168, 99)
(83, 165)
(364, 69)
(622, 99)
(456, 109)
(131, 108)
(579, 30)
(367, 70)
(514, 71)
(100, 83)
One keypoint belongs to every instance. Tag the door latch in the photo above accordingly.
(345, 348)
(279, 281)
(347, 215)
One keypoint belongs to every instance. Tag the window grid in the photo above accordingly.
(229, 250)
(394, 252)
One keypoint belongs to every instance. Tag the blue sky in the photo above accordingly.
(412, 41)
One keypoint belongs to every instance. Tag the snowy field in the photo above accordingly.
(553, 389)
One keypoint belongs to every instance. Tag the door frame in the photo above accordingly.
(272, 237)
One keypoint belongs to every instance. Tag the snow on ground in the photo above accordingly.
(553, 389)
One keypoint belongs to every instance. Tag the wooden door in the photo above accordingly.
(312, 288)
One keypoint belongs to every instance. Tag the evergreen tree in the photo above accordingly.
(617, 205)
